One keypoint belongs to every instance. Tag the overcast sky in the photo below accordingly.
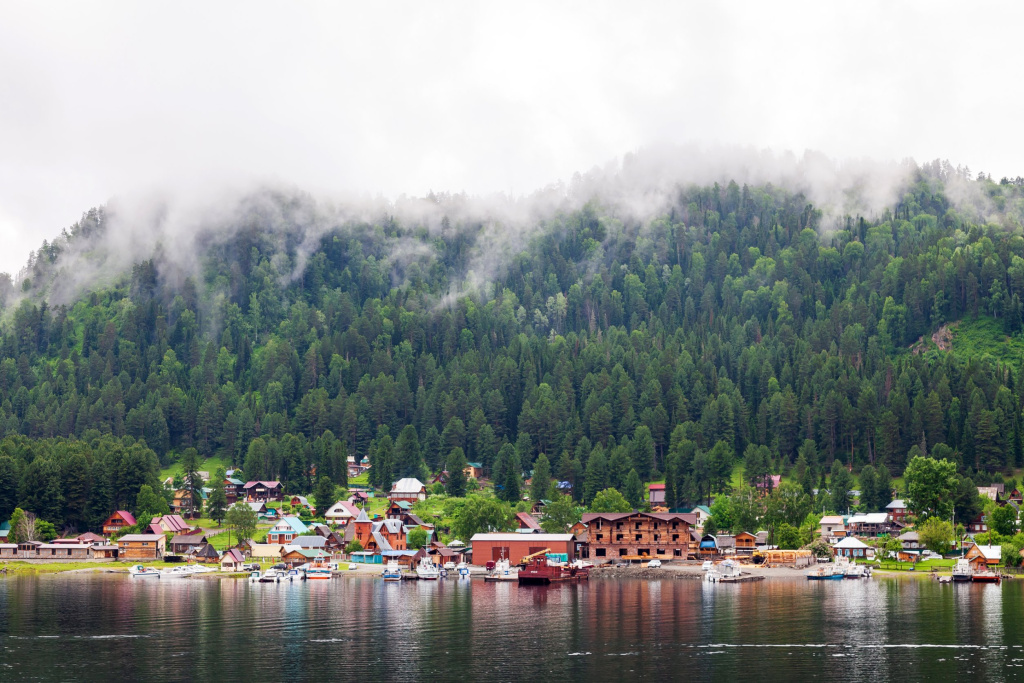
(108, 99)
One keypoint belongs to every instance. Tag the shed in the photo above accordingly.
(232, 560)
(853, 548)
(513, 547)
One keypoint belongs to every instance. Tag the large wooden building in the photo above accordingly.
(661, 535)
(513, 547)
(141, 546)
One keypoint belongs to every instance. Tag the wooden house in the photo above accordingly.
(639, 534)
(286, 530)
(294, 556)
(984, 556)
(232, 560)
(853, 548)
(526, 521)
(301, 501)
(833, 527)
(142, 546)
(474, 470)
(172, 523)
(656, 494)
(341, 513)
(978, 525)
(408, 489)
(746, 542)
(898, 510)
(263, 491)
(183, 544)
(234, 489)
(117, 522)
(206, 554)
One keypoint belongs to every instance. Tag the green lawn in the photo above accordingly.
(208, 465)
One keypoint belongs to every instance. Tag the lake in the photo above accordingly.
(96, 626)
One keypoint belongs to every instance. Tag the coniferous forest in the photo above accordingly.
(740, 325)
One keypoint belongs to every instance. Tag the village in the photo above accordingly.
(385, 533)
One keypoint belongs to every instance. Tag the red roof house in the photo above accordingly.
(118, 521)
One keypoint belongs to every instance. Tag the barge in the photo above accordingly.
(540, 572)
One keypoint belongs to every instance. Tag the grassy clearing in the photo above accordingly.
(986, 337)
(208, 465)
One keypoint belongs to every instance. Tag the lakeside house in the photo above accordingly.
(232, 560)
(639, 534)
(206, 554)
(746, 543)
(35, 550)
(984, 556)
(853, 548)
(263, 491)
(172, 523)
(142, 546)
(408, 489)
(117, 522)
(978, 525)
(910, 540)
(491, 547)
(294, 556)
(473, 470)
(702, 513)
(872, 524)
(833, 527)
(898, 511)
(286, 530)
(183, 544)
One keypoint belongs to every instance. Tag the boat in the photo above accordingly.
(463, 569)
(318, 570)
(963, 571)
(729, 572)
(825, 572)
(541, 571)
(255, 577)
(181, 572)
(503, 571)
(985, 577)
(426, 570)
(140, 572)
(200, 569)
(296, 574)
(849, 570)
(272, 576)
(392, 572)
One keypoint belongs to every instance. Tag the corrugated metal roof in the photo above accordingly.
(532, 538)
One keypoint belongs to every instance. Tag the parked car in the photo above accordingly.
(708, 564)
(654, 564)
(251, 567)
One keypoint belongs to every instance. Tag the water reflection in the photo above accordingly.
(73, 626)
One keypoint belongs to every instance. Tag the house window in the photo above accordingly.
(622, 552)
(639, 537)
(638, 526)
(600, 536)
(661, 551)
(600, 552)
(675, 537)
(657, 537)
(677, 552)
(618, 537)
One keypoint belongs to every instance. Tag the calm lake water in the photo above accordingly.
(91, 627)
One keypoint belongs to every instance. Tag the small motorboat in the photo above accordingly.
(181, 572)
(727, 571)
(318, 570)
(256, 577)
(392, 572)
(296, 574)
(200, 569)
(426, 570)
(140, 572)
(463, 569)
(825, 572)
(985, 577)
(272, 576)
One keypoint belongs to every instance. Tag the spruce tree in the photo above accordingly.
(540, 485)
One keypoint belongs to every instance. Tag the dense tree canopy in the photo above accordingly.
(741, 324)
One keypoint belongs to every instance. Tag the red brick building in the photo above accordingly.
(639, 534)
(513, 547)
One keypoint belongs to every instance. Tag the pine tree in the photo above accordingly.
(455, 465)
(325, 494)
(217, 504)
(540, 485)
(596, 478)
(634, 490)
(408, 459)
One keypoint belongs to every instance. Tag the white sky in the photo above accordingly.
(109, 99)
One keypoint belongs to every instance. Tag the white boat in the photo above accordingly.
(181, 572)
(200, 569)
(295, 574)
(503, 571)
(392, 572)
(140, 572)
(963, 571)
(849, 569)
(318, 571)
(727, 570)
(272, 576)
(255, 577)
(426, 570)
(463, 570)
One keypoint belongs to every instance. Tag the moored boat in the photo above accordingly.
(963, 571)
(318, 571)
(985, 577)
(825, 572)
(392, 572)
(255, 577)
(181, 572)
(540, 570)
(296, 574)
(503, 571)
(272, 576)
(426, 570)
(463, 569)
(140, 572)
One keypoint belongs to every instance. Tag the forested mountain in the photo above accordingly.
(736, 316)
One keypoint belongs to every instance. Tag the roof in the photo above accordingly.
(832, 519)
(726, 541)
(703, 508)
(991, 552)
(909, 536)
(656, 487)
(687, 517)
(404, 504)
(362, 516)
(407, 485)
(207, 551)
(301, 499)
(174, 522)
(233, 554)
(126, 516)
(295, 523)
(268, 484)
(475, 465)
(341, 509)
(870, 518)
(236, 482)
(532, 538)
(258, 506)
(898, 503)
(188, 539)
(305, 552)
(142, 537)
(309, 541)
(90, 537)
(527, 520)
(851, 543)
